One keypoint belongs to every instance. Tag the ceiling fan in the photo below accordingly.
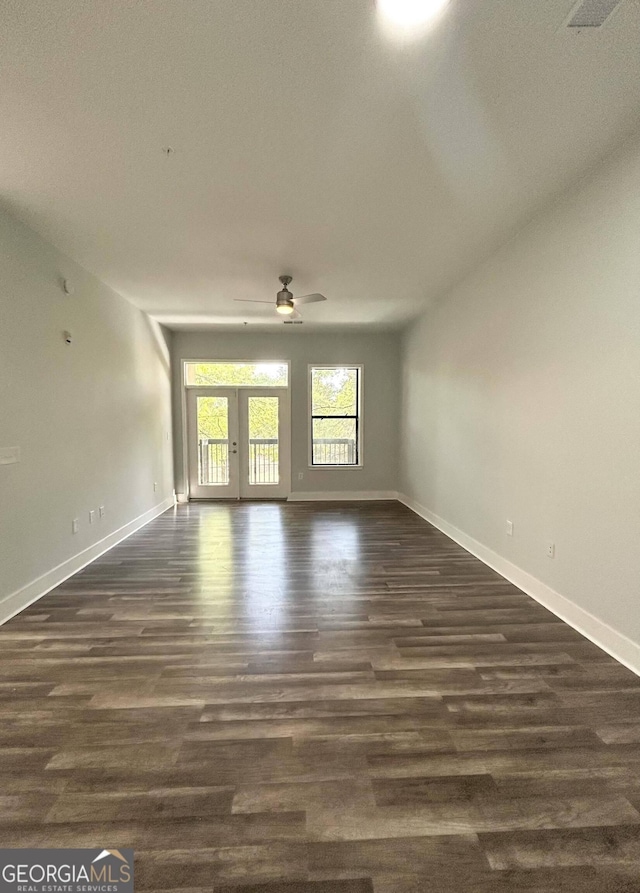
(286, 304)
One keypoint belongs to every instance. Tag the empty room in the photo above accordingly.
(319, 446)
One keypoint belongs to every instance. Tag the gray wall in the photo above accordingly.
(380, 355)
(522, 398)
(91, 418)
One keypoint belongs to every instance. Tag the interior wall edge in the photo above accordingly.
(17, 601)
(611, 640)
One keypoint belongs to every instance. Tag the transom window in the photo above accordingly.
(335, 415)
(234, 375)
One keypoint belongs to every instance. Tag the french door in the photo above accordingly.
(238, 443)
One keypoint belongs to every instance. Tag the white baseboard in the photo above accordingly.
(342, 496)
(17, 601)
(611, 640)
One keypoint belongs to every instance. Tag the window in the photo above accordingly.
(234, 375)
(335, 415)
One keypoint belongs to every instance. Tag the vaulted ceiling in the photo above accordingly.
(305, 141)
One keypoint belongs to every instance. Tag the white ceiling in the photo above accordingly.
(306, 141)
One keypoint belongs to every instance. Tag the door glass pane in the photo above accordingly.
(334, 442)
(213, 440)
(263, 440)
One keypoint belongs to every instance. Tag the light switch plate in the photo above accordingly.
(9, 455)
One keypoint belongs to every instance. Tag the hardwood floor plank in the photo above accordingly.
(585, 879)
(396, 856)
(281, 866)
(474, 817)
(437, 789)
(581, 846)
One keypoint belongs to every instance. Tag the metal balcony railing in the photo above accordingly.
(213, 461)
(263, 461)
(334, 451)
(213, 456)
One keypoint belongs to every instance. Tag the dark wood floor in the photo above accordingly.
(324, 698)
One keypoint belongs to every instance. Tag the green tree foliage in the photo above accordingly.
(232, 375)
(334, 393)
(263, 418)
(263, 411)
(213, 422)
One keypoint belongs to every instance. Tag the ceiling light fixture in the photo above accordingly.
(409, 16)
(285, 309)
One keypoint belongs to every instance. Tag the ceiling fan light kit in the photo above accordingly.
(284, 298)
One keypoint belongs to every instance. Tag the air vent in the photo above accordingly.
(293, 322)
(591, 13)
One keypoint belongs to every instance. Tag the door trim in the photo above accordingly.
(185, 495)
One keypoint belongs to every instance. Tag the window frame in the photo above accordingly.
(358, 417)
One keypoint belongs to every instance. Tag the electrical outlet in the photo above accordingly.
(551, 550)
(300, 475)
(509, 528)
(92, 516)
(101, 511)
(75, 525)
(155, 486)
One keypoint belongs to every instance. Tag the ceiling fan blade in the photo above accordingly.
(295, 315)
(253, 301)
(309, 299)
